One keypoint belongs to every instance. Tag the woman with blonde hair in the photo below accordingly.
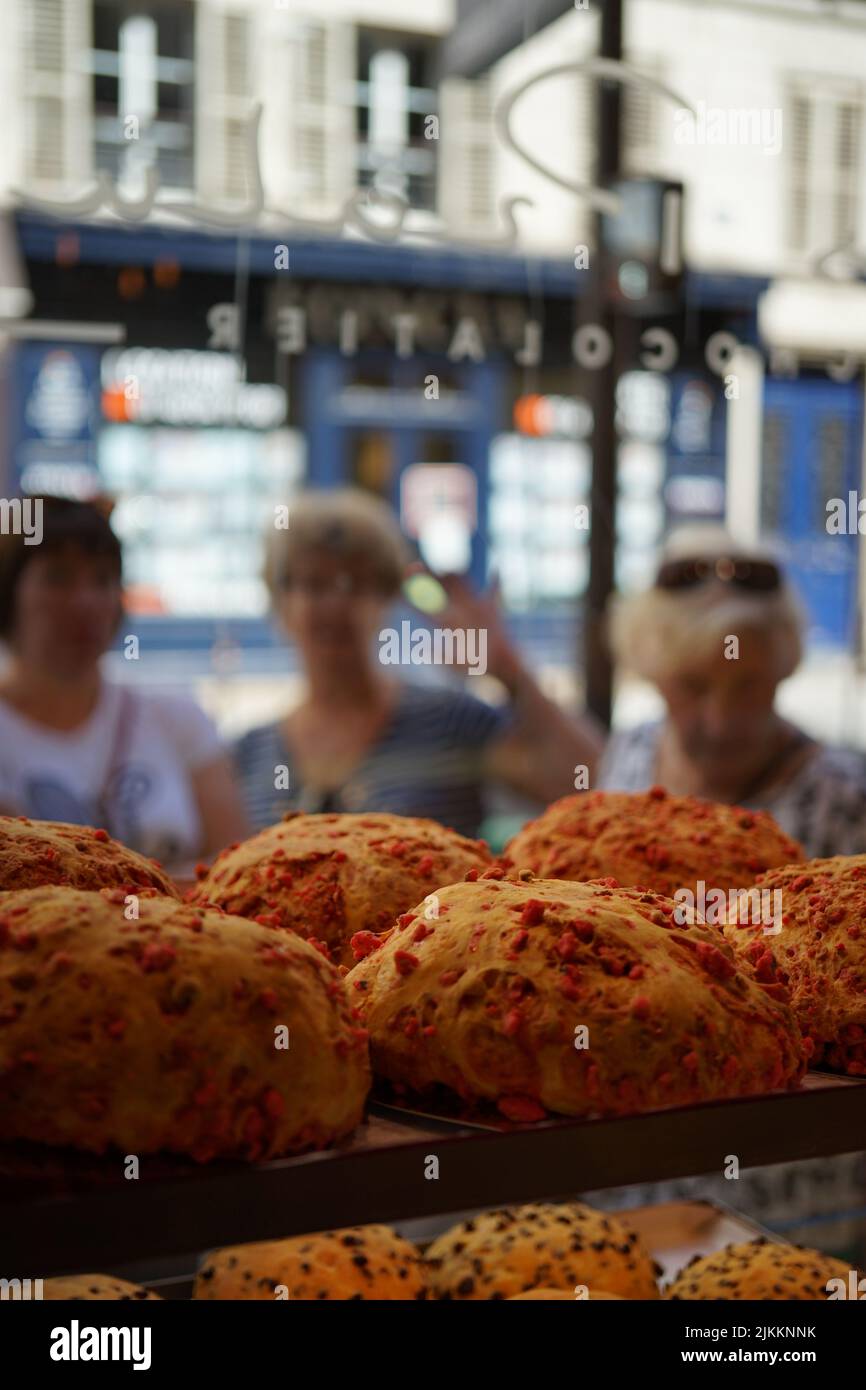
(716, 634)
(366, 738)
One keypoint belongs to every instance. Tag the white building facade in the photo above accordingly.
(774, 165)
(344, 86)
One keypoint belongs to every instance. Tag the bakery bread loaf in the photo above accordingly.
(820, 954)
(651, 840)
(540, 1246)
(761, 1269)
(38, 852)
(361, 1262)
(95, 1286)
(562, 1295)
(544, 995)
(329, 876)
(181, 1029)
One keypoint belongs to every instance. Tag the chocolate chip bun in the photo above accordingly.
(38, 852)
(562, 1295)
(820, 953)
(330, 876)
(168, 1031)
(361, 1262)
(651, 840)
(577, 998)
(760, 1269)
(95, 1286)
(502, 1253)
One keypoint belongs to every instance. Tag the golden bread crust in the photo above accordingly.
(489, 998)
(562, 1295)
(759, 1269)
(360, 1262)
(34, 853)
(540, 1246)
(94, 1287)
(329, 876)
(161, 1032)
(651, 840)
(820, 954)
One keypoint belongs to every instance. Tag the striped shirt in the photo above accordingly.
(427, 761)
(823, 805)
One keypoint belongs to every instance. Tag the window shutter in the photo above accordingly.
(466, 197)
(800, 125)
(322, 134)
(641, 117)
(825, 155)
(822, 173)
(849, 162)
(309, 129)
(224, 99)
(57, 145)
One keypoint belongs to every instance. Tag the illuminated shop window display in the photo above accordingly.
(539, 518)
(194, 498)
(537, 549)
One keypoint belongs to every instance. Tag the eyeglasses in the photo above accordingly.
(318, 586)
(758, 576)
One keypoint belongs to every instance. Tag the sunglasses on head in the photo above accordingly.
(758, 576)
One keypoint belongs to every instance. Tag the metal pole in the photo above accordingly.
(600, 390)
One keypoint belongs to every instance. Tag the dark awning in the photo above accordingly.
(333, 258)
(488, 29)
(327, 258)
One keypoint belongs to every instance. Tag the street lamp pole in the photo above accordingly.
(600, 390)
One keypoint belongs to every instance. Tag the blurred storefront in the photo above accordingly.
(199, 384)
(199, 373)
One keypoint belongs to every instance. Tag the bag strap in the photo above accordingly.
(121, 737)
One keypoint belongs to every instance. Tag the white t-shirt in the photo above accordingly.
(126, 768)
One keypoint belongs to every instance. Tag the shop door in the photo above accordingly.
(811, 453)
(368, 420)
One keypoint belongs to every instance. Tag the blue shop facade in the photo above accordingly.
(200, 378)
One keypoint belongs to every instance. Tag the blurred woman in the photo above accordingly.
(74, 747)
(363, 740)
(716, 634)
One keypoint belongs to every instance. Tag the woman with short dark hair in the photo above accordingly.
(74, 747)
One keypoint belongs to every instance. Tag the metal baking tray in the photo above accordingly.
(453, 1118)
(672, 1232)
(63, 1212)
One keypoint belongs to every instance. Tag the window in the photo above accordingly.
(537, 543)
(394, 101)
(193, 509)
(825, 159)
(142, 65)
